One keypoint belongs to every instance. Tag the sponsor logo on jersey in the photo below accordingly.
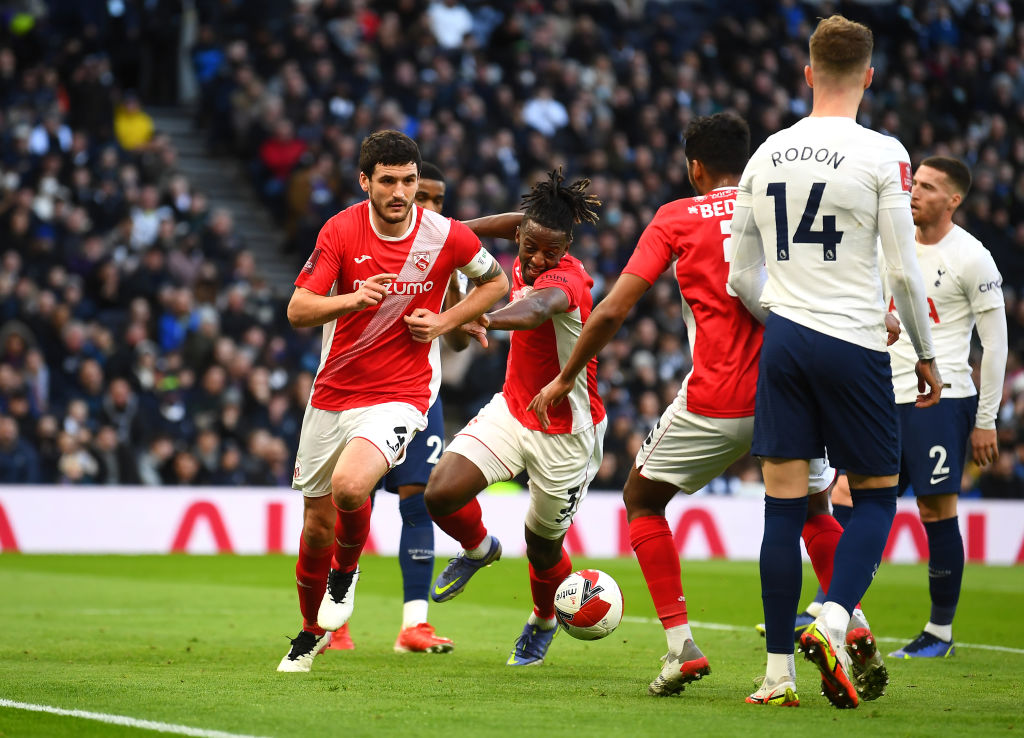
(400, 288)
(990, 286)
(311, 262)
(906, 176)
(421, 260)
(361, 259)
(715, 209)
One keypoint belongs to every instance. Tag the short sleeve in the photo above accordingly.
(895, 175)
(653, 252)
(464, 243)
(568, 279)
(321, 269)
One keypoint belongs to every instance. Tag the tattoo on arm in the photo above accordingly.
(487, 276)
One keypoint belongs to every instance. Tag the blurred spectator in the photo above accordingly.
(19, 462)
(133, 125)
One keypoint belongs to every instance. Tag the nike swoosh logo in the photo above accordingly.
(445, 588)
(936, 480)
(414, 557)
(349, 545)
(303, 584)
(361, 259)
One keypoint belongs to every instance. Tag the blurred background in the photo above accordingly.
(165, 166)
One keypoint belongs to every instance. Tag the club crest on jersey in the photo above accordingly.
(421, 260)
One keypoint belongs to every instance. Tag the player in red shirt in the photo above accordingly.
(710, 423)
(375, 281)
(551, 302)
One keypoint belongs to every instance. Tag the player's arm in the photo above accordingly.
(602, 325)
(307, 309)
(502, 225)
(530, 311)
(896, 231)
(455, 340)
(747, 274)
(491, 285)
(991, 325)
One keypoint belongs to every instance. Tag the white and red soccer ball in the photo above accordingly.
(588, 604)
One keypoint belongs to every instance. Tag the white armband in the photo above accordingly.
(482, 263)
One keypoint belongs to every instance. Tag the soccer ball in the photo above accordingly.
(588, 604)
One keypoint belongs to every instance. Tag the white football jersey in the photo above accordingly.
(961, 280)
(815, 190)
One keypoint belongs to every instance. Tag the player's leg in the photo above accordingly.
(416, 543)
(935, 445)
(375, 438)
(416, 559)
(854, 390)
(482, 453)
(316, 546)
(684, 452)
(786, 435)
(320, 443)
(561, 468)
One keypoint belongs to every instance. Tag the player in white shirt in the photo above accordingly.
(964, 289)
(814, 199)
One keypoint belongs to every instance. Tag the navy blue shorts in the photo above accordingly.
(421, 456)
(935, 443)
(815, 391)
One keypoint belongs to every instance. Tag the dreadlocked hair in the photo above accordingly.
(556, 206)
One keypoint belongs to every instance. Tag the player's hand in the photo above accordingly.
(425, 325)
(477, 329)
(892, 327)
(928, 377)
(373, 290)
(550, 395)
(984, 446)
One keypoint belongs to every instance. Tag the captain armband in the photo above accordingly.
(481, 264)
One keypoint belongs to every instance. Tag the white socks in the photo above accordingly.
(942, 632)
(480, 551)
(781, 668)
(414, 612)
(677, 636)
(541, 622)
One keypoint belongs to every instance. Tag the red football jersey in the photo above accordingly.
(536, 356)
(369, 356)
(725, 339)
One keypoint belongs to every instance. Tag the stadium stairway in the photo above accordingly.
(225, 183)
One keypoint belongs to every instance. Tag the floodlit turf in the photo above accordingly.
(195, 641)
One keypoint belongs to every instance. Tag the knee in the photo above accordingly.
(543, 553)
(318, 525)
(348, 493)
(438, 502)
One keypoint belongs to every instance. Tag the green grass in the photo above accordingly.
(195, 641)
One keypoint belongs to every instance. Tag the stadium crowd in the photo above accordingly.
(140, 344)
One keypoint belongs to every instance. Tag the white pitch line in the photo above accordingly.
(130, 722)
(742, 628)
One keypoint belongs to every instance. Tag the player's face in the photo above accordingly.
(931, 195)
(430, 195)
(540, 249)
(392, 190)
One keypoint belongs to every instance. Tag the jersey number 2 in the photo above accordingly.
(828, 236)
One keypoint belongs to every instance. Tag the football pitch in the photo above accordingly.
(191, 644)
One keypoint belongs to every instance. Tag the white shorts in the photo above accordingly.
(388, 426)
(560, 466)
(689, 450)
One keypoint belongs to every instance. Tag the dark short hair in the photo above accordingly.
(955, 169)
(556, 206)
(390, 148)
(429, 170)
(721, 142)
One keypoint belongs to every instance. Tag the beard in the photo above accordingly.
(386, 215)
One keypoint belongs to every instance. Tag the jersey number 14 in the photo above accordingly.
(828, 236)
